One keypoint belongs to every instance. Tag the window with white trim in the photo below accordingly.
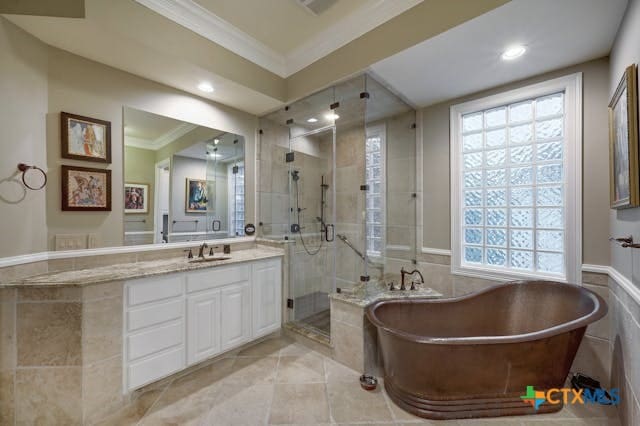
(375, 199)
(515, 190)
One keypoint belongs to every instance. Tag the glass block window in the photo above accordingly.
(374, 171)
(512, 187)
(237, 200)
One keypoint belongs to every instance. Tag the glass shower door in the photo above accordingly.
(311, 207)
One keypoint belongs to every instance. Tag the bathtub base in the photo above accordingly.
(464, 408)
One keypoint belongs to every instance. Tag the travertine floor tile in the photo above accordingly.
(307, 368)
(253, 371)
(299, 404)
(269, 347)
(236, 404)
(350, 403)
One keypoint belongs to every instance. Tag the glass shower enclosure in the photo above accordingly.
(324, 164)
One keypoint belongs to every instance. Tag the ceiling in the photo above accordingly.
(244, 48)
(279, 35)
(466, 59)
(151, 131)
(282, 25)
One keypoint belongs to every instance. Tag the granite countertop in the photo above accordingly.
(127, 271)
(364, 294)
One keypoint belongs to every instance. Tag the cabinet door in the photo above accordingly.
(203, 326)
(267, 281)
(235, 306)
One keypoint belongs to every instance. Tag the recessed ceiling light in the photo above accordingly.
(216, 141)
(332, 116)
(513, 52)
(205, 87)
(312, 120)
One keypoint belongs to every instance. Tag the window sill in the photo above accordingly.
(503, 276)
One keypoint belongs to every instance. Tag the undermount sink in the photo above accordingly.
(209, 259)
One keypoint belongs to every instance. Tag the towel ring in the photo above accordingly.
(24, 168)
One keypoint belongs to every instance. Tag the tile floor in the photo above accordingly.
(281, 382)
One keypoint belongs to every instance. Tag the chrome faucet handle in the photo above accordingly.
(392, 286)
(190, 255)
(211, 251)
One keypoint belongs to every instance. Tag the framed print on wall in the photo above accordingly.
(196, 196)
(85, 138)
(623, 142)
(85, 189)
(136, 198)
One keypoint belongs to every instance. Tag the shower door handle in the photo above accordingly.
(326, 233)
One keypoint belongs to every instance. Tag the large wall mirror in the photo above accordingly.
(183, 182)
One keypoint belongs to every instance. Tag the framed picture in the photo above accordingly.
(136, 198)
(623, 142)
(85, 189)
(85, 138)
(196, 196)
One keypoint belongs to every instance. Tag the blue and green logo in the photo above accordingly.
(556, 396)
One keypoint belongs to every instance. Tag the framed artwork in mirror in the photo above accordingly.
(136, 198)
(85, 189)
(85, 138)
(623, 142)
(196, 196)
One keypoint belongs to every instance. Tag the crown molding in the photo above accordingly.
(196, 18)
(345, 31)
(172, 135)
(138, 142)
(203, 22)
(162, 140)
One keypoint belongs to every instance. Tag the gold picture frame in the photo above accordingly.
(623, 142)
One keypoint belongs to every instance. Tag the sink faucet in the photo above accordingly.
(410, 273)
(201, 250)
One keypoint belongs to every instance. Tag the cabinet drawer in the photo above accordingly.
(154, 368)
(215, 277)
(155, 314)
(153, 289)
(154, 340)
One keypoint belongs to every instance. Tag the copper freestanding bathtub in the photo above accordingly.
(474, 356)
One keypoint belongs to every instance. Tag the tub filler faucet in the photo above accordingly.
(410, 273)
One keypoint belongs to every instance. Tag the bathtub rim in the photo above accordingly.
(598, 312)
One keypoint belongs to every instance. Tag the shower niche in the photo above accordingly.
(336, 181)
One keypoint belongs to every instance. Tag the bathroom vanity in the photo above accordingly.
(178, 320)
(85, 339)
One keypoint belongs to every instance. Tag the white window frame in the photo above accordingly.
(379, 130)
(571, 85)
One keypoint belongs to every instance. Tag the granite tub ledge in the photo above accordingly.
(135, 270)
(362, 295)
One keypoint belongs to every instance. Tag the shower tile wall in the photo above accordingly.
(350, 174)
(273, 185)
(311, 281)
(401, 178)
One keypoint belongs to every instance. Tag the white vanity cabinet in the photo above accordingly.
(177, 320)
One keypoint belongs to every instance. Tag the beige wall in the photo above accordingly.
(140, 167)
(626, 51)
(23, 108)
(41, 82)
(625, 309)
(435, 128)
(85, 87)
